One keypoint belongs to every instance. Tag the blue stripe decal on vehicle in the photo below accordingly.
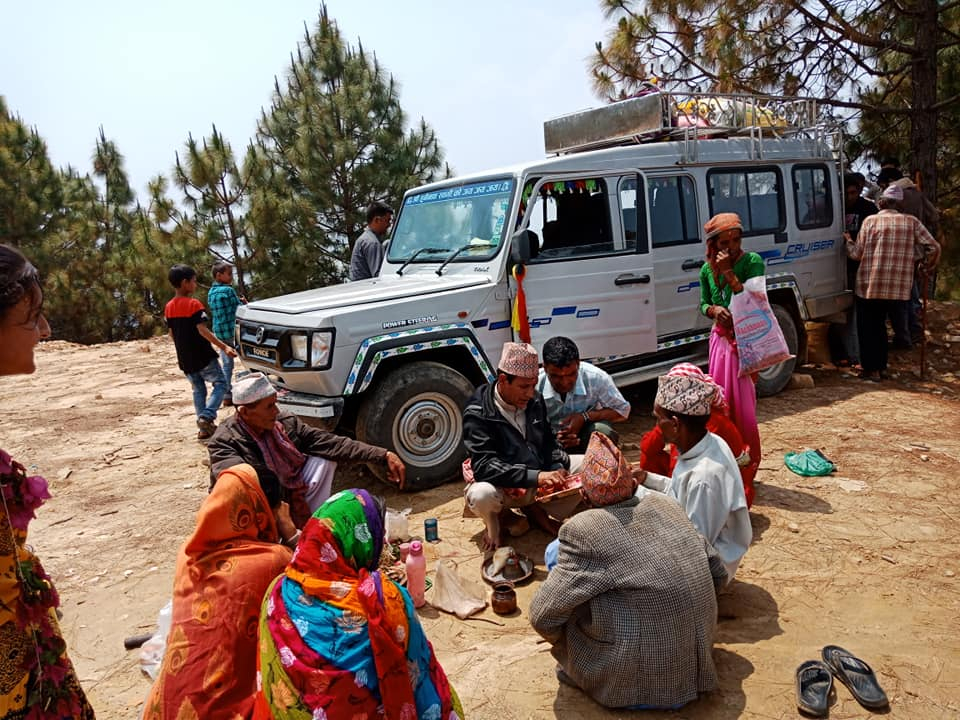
(500, 325)
(564, 310)
(689, 286)
(591, 313)
(480, 323)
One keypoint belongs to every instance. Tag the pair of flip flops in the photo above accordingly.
(815, 681)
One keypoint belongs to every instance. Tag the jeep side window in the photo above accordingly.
(673, 211)
(632, 216)
(811, 196)
(572, 219)
(755, 195)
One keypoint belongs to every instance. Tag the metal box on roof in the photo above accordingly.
(619, 121)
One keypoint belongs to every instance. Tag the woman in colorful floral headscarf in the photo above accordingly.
(37, 680)
(337, 638)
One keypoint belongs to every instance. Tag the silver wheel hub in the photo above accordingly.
(427, 429)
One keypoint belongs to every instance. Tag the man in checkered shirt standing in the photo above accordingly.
(888, 246)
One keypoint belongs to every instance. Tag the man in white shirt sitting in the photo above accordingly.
(706, 480)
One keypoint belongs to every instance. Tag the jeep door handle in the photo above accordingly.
(631, 279)
(691, 265)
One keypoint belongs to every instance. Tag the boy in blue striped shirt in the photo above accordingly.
(223, 302)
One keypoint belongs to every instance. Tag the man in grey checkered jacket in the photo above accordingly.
(630, 608)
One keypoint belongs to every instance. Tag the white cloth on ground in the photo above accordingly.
(706, 482)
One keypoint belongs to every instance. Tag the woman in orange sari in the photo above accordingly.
(224, 568)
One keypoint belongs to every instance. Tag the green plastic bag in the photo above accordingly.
(809, 463)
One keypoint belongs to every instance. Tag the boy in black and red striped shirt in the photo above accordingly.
(194, 341)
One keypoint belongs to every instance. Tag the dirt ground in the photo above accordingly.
(868, 558)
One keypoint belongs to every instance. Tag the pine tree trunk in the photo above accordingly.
(923, 132)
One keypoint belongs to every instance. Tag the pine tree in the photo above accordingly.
(858, 55)
(216, 190)
(333, 141)
(165, 235)
(30, 187)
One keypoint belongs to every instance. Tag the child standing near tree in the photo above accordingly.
(187, 319)
(223, 302)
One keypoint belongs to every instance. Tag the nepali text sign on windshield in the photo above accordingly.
(468, 219)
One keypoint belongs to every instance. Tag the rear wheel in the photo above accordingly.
(775, 378)
(417, 411)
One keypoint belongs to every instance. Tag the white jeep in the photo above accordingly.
(609, 233)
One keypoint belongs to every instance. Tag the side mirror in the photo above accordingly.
(523, 245)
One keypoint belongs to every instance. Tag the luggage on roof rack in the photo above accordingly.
(656, 115)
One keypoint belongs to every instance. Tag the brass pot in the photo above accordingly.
(504, 600)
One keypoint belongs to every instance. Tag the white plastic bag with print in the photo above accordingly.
(760, 341)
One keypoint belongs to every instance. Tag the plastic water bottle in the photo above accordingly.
(416, 573)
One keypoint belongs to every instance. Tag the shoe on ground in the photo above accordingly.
(207, 428)
(814, 683)
(857, 675)
(228, 401)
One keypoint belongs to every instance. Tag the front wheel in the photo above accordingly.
(417, 411)
(775, 378)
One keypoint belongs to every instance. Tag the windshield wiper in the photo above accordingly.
(417, 254)
(469, 245)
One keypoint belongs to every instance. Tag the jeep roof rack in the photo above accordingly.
(655, 116)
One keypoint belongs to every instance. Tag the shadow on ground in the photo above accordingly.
(787, 499)
(727, 702)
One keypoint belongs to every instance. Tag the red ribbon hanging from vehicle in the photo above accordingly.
(519, 321)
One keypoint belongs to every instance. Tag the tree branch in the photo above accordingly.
(846, 30)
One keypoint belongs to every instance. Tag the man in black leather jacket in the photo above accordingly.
(513, 449)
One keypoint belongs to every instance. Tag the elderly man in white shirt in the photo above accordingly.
(706, 480)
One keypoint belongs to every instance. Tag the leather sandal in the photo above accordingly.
(814, 682)
(857, 676)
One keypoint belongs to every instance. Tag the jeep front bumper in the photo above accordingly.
(326, 409)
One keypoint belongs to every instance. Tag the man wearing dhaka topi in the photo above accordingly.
(514, 451)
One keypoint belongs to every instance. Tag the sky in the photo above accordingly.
(484, 75)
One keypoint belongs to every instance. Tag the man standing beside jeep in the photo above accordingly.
(368, 250)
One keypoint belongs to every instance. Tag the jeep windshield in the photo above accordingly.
(459, 223)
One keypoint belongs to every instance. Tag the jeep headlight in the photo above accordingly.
(298, 347)
(321, 346)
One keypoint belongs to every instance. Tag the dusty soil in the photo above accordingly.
(868, 558)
